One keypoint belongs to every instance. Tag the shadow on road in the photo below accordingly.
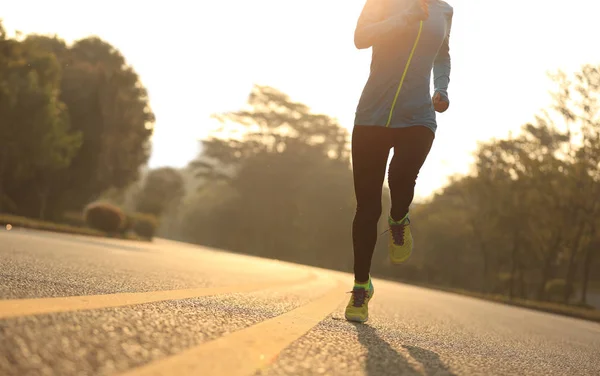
(383, 359)
(431, 361)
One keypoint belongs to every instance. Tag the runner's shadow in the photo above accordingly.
(431, 361)
(383, 359)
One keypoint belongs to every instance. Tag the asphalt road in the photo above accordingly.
(80, 306)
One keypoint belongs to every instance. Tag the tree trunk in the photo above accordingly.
(514, 263)
(591, 249)
(522, 288)
(545, 277)
(42, 191)
(484, 258)
(486, 266)
(3, 162)
(43, 205)
(572, 267)
(547, 268)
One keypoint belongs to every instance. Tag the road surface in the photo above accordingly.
(82, 306)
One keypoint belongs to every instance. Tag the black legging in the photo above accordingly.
(370, 151)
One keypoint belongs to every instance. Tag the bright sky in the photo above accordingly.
(202, 57)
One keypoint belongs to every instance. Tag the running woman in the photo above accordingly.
(396, 110)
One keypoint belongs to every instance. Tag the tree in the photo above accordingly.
(162, 189)
(108, 105)
(530, 206)
(36, 139)
(577, 100)
(282, 183)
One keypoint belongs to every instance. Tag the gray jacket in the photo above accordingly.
(405, 50)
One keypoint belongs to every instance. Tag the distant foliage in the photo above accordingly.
(104, 217)
(283, 191)
(162, 189)
(526, 222)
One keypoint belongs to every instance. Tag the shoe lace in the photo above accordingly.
(397, 230)
(359, 295)
(398, 233)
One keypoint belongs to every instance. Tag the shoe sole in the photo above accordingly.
(400, 261)
(356, 319)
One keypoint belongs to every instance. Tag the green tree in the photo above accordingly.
(109, 106)
(36, 141)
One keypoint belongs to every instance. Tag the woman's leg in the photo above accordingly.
(411, 147)
(370, 150)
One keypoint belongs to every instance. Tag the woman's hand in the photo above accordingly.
(439, 103)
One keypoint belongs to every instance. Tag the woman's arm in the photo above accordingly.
(442, 65)
(372, 25)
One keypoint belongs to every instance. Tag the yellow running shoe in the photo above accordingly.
(357, 309)
(400, 240)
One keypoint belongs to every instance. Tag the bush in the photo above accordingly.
(127, 225)
(104, 217)
(144, 225)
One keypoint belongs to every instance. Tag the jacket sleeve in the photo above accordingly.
(372, 27)
(442, 65)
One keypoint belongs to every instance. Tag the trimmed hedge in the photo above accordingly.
(104, 217)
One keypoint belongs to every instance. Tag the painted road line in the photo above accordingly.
(26, 307)
(248, 350)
